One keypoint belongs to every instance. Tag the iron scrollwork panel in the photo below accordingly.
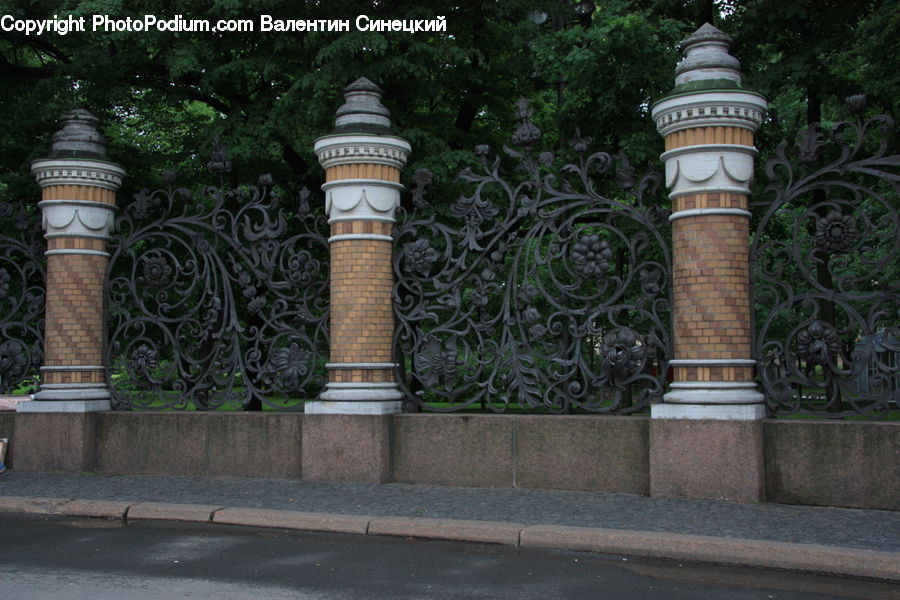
(535, 290)
(219, 300)
(826, 260)
(22, 294)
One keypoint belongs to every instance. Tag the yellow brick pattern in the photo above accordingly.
(78, 192)
(74, 309)
(694, 201)
(711, 284)
(98, 377)
(709, 135)
(74, 326)
(361, 376)
(362, 319)
(713, 373)
(711, 287)
(76, 243)
(363, 171)
(357, 227)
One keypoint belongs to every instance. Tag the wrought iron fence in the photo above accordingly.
(535, 289)
(218, 300)
(22, 291)
(826, 271)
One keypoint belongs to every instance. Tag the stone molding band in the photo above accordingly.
(74, 368)
(79, 203)
(699, 212)
(77, 218)
(87, 236)
(362, 119)
(61, 171)
(72, 391)
(362, 365)
(363, 183)
(360, 217)
(361, 199)
(712, 385)
(709, 168)
(335, 150)
(360, 392)
(714, 393)
(60, 251)
(360, 236)
(713, 108)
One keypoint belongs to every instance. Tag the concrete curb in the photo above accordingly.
(31, 506)
(164, 511)
(834, 560)
(489, 532)
(288, 519)
(99, 509)
(730, 551)
(102, 509)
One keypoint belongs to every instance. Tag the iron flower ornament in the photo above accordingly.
(591, 256)
(419, 257)
(623, 355)
(157, 271)
(836, 232)
(818, 343)
(144, 359)
(290, 365)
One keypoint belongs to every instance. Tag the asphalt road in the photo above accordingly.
(59, 557)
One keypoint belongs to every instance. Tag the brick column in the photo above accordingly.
(78, 187)
(362, 163)
(708, 122)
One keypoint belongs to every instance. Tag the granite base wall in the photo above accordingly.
(547, 452)
(854, 464)
(8, 430)
(707, 458)
(849, 464)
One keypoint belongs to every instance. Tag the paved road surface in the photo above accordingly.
(60, 557)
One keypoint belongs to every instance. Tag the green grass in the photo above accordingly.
(891, 415)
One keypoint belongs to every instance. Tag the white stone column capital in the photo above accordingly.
(78, 171)
(355, 148)
(709, 108)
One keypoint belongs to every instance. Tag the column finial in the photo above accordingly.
(362, 112)
(707, 62)
(78, 137)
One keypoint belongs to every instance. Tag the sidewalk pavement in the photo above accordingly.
(850, 542)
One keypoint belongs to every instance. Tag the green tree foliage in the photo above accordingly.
(161, 95)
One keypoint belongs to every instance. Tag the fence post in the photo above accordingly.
(346, 431)
(78, 204)
(706, 437)
(362, 162)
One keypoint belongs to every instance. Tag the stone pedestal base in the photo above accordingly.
(714, 392)
(341, 447)
(70, 397)
(728, 412)
(712, 459)
(55, 441)
(360, 392)
(63, 406)
(324, 407)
